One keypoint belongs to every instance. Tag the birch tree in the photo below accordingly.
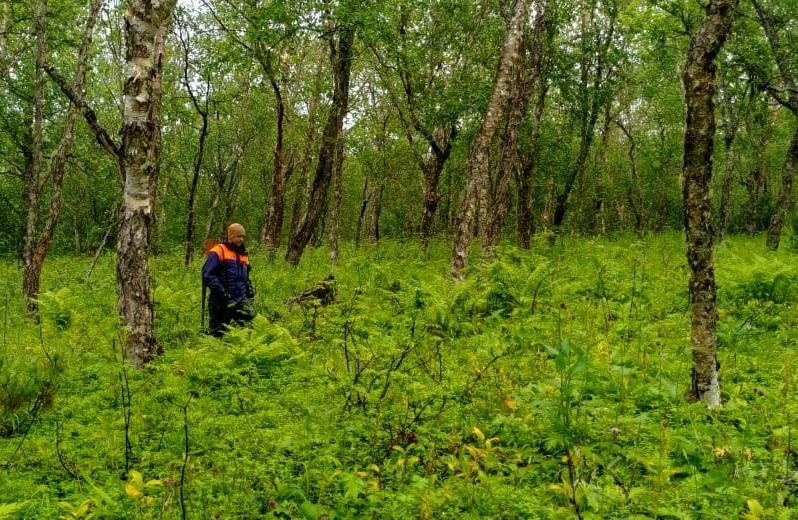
(699, 87)
(138, 156)
(476, 182)
(341, 43)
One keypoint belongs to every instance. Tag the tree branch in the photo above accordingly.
(780, 56)
(102, 136)
(776, 94)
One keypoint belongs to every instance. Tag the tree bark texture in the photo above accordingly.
(341, 59)
(699, 85)
(5, 20)
(476, 183)
(145, 28)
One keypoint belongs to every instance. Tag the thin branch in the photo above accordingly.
(61, 454)
(102, 136)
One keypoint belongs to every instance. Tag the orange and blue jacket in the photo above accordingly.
(226, 273)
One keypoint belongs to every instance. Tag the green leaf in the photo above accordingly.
(6, 510)
(755, 508)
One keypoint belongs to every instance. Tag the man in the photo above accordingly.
(226, 273)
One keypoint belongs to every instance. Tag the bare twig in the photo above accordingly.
(185, 460)
(61, 459)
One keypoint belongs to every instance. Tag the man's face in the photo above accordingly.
(237, 236)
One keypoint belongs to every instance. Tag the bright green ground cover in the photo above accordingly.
(551, 382)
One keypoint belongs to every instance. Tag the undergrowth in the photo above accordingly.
(549, 384)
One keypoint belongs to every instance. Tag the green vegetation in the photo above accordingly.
(549, 384)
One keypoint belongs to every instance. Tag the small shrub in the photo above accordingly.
(25, 390)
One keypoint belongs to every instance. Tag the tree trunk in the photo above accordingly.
(595, 210)
(784, 202)
(222, 172)
(521, 91)
(633, 198)
(158, 219)
(591, 104)
(699, 85)
(37, 242)
(756, 185)
(273, 224)
(525, 226)
(760, 126)
(341, 59)
(537, 68)
(230, 202)
(203, 111)
(364, 204)
(5, 20)
(476, 184)
(145, 31)
(192, 191)
(214, 205)
(338, 185)
(730, 122)
(33, 173)
(301, 185)
(440, 148)
(375, 212)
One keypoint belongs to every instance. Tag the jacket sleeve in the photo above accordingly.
(211, 271)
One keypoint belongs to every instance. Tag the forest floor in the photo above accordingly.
(549, 384)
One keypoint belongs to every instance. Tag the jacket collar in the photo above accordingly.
(232, 247)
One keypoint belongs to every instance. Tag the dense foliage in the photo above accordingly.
(612, 74)
(549, 384)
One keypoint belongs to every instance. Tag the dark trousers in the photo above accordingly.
(222, 315)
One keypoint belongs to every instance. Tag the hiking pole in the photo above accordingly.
(202, 318)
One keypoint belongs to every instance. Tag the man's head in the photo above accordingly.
(236, 234)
